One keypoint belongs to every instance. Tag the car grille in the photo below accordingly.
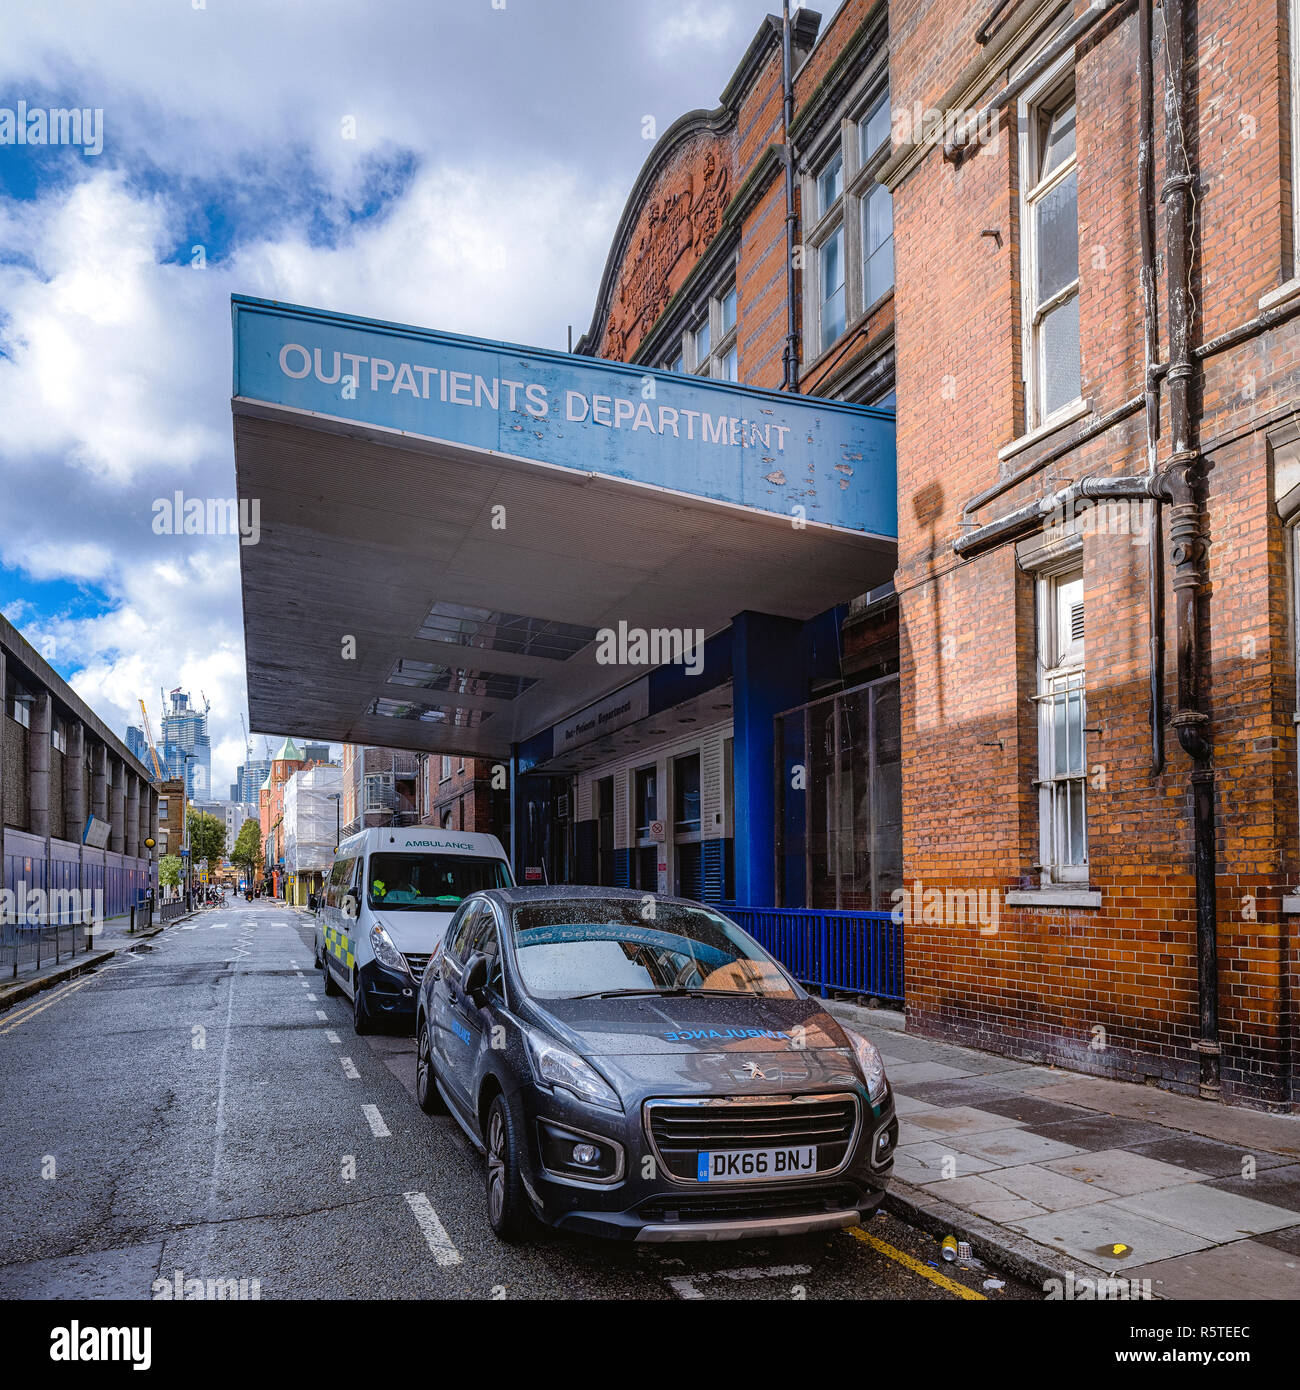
(742, 1206)
(680, 1130)
(416, 965)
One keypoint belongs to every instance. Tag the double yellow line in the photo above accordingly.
(904, 1259)
(15, 1018)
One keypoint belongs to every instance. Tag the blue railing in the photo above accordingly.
(861, 952)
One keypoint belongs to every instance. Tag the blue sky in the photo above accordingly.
(455, 163)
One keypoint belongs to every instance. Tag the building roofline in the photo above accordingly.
(12, 641)
(804, 25)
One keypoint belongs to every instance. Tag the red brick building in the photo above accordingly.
(458, 794)
(1084, 881)
(1033, 767)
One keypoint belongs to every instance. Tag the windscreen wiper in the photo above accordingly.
(667, 992)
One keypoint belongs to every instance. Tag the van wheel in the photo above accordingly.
(426, 1083)
(331, 984)
(508, 1210)
(362, 1022)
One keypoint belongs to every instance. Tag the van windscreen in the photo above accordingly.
(429, 882)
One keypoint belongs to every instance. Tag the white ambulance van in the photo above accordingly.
(389, 897)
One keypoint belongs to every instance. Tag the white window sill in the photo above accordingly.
(1054, 897)
(1291, 902)
(1282, 295)
(1067, 415)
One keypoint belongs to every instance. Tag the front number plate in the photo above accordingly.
(723, 1165)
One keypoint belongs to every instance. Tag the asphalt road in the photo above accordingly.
(197, 1108)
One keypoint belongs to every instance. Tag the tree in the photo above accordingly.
(169, 870)
(248, 847)
(207, 838)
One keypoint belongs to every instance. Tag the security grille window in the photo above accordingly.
(59, 735)
(708, 346)
(1062, 714)
(849, 222)
(1050, 191)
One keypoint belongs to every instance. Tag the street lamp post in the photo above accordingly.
(186, 759)
(337, 799)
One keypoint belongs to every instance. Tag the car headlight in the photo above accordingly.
(873, 1069)
(385, 952)
(554, 1065)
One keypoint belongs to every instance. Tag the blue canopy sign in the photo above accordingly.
(817, 462)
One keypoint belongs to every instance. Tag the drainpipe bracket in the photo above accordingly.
(1204, 1045)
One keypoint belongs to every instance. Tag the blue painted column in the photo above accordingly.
(769, 674)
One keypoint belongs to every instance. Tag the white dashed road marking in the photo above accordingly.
(331, 1035)
(684, 1285)
(350, 1070)
(320, 1013)
(376, 1122)
(434, 1233)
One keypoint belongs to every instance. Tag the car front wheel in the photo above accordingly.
(508, 1210)
(426, 1083)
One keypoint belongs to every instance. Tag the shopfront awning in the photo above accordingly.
(446, 525)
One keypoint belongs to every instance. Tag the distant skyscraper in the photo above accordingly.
(315, 752)
(185, 732)
(248, 780)
(138, 744)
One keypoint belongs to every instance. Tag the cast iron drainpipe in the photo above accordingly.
(791, 353)
(1182, 478)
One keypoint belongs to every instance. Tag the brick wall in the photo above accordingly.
(1113, 989)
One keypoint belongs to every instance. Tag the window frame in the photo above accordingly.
(1059, 672)
(1046, 96)
(684, 357)
(859, 180)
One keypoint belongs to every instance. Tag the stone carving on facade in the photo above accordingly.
(674, 230)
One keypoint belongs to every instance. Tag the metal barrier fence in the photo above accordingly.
(29, 946)
(169, 912)
(860, 952)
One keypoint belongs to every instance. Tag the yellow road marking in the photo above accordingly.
(916, 1266)
(15, 1020)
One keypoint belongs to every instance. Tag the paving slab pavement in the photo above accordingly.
(1050, 1173)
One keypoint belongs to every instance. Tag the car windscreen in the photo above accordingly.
(608, 946)
(430, 882)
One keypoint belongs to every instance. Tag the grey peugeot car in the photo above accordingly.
(639, 1067)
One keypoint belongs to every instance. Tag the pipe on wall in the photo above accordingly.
(1183, 478)
(790, 356)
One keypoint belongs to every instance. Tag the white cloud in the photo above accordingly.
(116, 384)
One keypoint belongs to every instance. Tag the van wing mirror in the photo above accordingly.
(351, 904)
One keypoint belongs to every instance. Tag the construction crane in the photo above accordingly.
(148, 733)
(248, 742)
